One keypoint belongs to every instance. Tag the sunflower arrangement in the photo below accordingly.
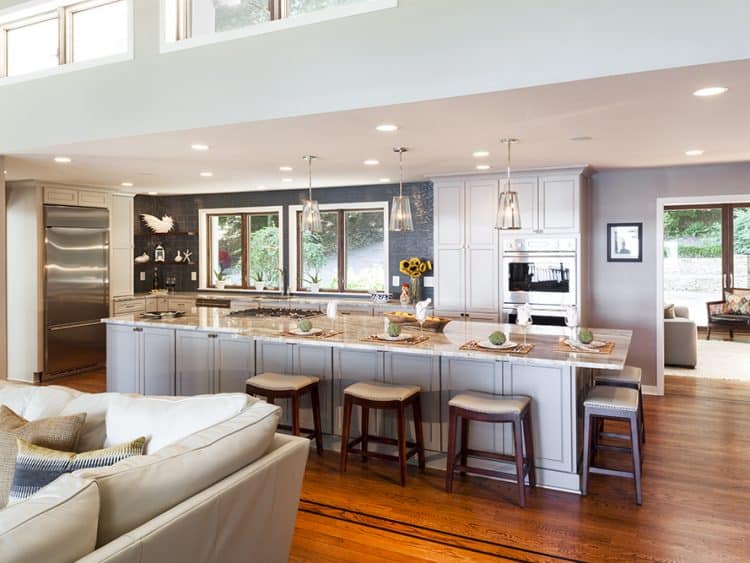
(414, 267)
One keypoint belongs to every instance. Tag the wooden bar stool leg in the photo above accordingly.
(418, 433)
(529, 440)
(586, 452)
(295, 413)
(315, 397)
(464, 441)
(518, 446)
(635, 438)
(365, 430)
(643, 416)
(451, 460)
(345, 431)
(402, 442)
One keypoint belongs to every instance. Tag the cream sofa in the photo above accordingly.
(216, 484)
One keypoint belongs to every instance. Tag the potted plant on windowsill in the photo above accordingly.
(314, 283)
(260, 283)
(219, 279)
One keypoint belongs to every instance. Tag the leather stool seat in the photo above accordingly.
(488, 403)
(281, 382)
(376, 391)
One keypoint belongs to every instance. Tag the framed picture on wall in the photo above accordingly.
(625, 242)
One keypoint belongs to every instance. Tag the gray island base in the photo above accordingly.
(207, 351)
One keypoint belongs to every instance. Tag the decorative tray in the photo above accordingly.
(564, 345)
(433, 324)
(518, 349)
(401, 341)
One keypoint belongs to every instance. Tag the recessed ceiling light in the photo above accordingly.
(207, 174)
(581, 138)
(287, 180)
(385, 180)
(371, 162)
(153, 193)
(480, 154)
(710, 91)
(199, 147)
(286, 168)
(483, 167)
(387, 128)
(127, 184)
(63, 159)
(694, 152)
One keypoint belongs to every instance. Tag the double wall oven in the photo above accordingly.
(542, 272)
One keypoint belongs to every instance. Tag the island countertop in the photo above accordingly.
(354, 331)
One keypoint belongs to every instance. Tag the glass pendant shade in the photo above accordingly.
(508, 212)
(401, 214)
(311, 216)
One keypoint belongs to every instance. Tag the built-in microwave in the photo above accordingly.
(540, 271)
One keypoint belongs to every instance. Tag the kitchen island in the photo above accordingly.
(209, 351)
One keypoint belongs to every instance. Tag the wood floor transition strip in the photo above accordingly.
(479, 546)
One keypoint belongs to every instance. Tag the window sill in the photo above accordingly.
(276, 25)
(65, 69)
(238, 290)
(360, 296)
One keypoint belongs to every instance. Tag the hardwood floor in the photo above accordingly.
(696, 498)
(88, 382)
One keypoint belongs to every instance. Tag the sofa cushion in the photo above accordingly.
(164, 420)
(33, 402)
(94, 430)
(37, 467)
(139, 488)
(58, 524)
(59, 433)
(736, 304)
(669, 312)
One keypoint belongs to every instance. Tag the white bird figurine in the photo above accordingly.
(186, 257)
(163, 225)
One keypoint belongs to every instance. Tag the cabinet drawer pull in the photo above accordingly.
(137, 329)
(213, 336)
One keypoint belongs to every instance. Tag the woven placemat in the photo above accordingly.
(411, 341)
(327, 333)
(604, 350)
(520, 349)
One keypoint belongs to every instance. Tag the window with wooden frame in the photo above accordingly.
(75, 32)
(194, 18)
(349, 255)
(243, 249)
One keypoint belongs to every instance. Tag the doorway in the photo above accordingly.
(706, 255)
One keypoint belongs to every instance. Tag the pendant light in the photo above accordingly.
(401, 207)
(310, 208)
(508, 213)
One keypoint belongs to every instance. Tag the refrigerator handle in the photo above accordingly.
(73, 325)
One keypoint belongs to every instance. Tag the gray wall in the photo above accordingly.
(623, 295)
(184, 210)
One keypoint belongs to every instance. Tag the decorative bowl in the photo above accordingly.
(433, 324)
(380, 298)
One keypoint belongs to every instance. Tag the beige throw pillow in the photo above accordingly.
(57, 433)
(669, 312)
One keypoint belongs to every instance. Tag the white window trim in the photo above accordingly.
(203, 243)
(36, 7)
(267, 27)
(293, 250)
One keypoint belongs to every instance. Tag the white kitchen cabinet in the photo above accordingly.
(466, 248)
(180, 304)
(155, 304)
(528, 202)
(208, 362)
(559, 204)
(68, 195)
(129, 306)
(140, 360)
(351, 366)
(121, 245)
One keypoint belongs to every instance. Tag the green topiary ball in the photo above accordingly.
(585, 336)
(394, 330)
(497, 338)
(305, 325)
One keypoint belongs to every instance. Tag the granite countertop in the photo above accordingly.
(356, 328)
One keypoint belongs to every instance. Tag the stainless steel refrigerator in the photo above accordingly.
(76, 288)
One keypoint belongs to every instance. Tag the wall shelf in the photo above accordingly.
(169, 234)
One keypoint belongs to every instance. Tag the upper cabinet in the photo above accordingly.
(121, 245)
(64, 195)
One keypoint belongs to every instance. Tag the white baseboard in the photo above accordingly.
(651, 390)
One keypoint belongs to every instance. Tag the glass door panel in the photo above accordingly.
(741, 247)
(693, 259)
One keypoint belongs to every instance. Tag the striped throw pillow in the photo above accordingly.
(37, 466)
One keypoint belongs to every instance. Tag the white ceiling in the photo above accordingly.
(640, 120)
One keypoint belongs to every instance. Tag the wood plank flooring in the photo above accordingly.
(696, 498)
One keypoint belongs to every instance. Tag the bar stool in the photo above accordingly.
(630, 378)
(485, 407)
(611, 403)
(376, 395)
(274, 386)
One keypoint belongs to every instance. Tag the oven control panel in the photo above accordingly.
(540, 245)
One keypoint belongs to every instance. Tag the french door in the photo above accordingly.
(706, 252)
